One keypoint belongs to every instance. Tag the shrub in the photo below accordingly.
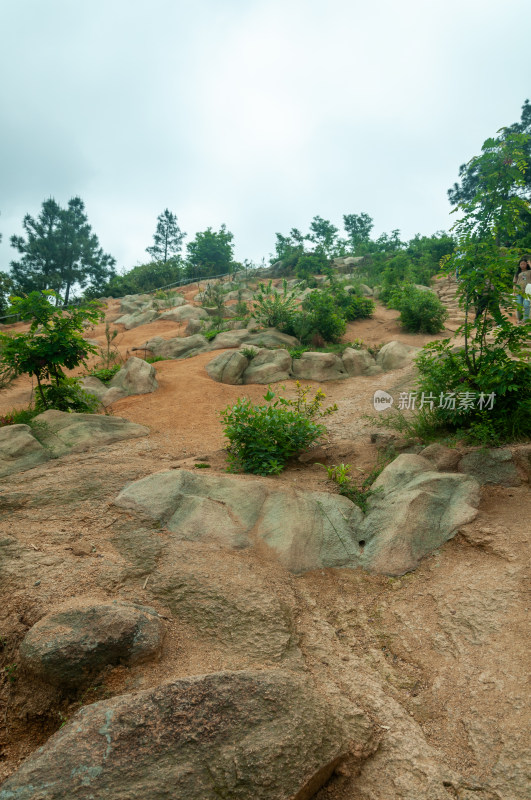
(105, 374)
(19, 416)
(68, 395)
(324, 316)
(263, 438)
(420, 311)
(362, 492)
(505, 380)
(274, 309)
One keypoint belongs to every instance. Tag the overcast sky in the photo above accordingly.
(259, 114)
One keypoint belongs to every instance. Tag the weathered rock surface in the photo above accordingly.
(228, 368)
(19, 449)
(268, 735)
(66, 433)
(229, 339)
(413, 512)
(94, 386)
(137, 318)
(178, 347)
(71, 646)
(268, 366)
(491, 466)
(135, 377)
(395, 355)
(270, 337)
(445, 459)
(184, 312)
(359, 362)
(306, 530)
(319, 367)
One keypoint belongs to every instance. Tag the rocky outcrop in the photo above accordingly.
(137, 318)
(178, 347)
(306, 530)
(65, 433)
(135, 377)
(266, 734)
(359, 362)
(395, 355)
(228, 368)
(491, 466)
(19, 450)
(268, 366)
(70, 647)
(185, 312)
(413, 510)
(319, 367)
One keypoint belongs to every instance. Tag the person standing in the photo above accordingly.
(522, 279)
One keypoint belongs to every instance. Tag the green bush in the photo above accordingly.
(68, 395)
(324, 316)
(263, 438)
(274, 309)
(105, 374)
(420, 311)
(444, 372)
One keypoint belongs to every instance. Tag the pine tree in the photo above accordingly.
(59, 250)
(167, 239)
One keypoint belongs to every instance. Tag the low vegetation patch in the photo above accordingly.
(262, 438)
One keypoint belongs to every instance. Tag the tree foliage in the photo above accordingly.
(167, 239)
(58, 251)
(210, 253)
(53, 343)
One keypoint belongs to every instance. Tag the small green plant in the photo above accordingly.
(110, 355)
(361, 493)
(296, 352)
(105, 374)
(249, 352)
(274, 309)
(202, 465)
(263, 438)
(11, 672)
(18, 416)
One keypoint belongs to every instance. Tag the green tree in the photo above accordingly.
(324, 235)
(210, 253)
(358, 228)
(493, 366)
(53, 343)
(167, 239)
(6, 289)
(471, 179)
(59, 251)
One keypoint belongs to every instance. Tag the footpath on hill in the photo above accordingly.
(433, 660)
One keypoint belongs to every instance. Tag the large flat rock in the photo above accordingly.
(67, 433)
(268, 735)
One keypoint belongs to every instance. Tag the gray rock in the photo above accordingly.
(228, 368)
(132, 303)
(137, 318)
(65, 433)
(228, 339)
(94, 386)
(135, 377)
(270, 337)
(307, 530)
(19, 450)
(395, 355)
(70, 647)
(357, 362)
(266, 734)
(413, 512)
(184, 313)
(445, 459)
(319, 367)
(491, 467)
(366, 290)
(178, 347)
(268, 366)
(194, 326)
